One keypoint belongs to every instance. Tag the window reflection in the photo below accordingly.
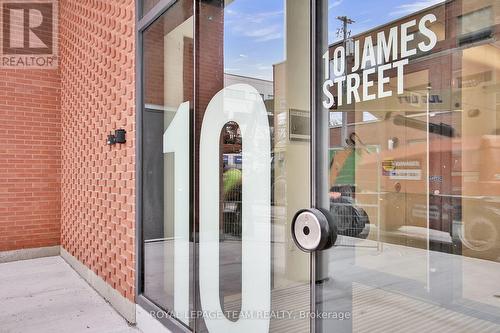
(231, 224)
(414, 176)
(457, 91)
(147, 5)
(263, 44)
(168, 82)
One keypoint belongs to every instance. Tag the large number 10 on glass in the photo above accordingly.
(242, 104)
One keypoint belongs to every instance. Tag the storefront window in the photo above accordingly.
(233, 147)
(414, 182)
(168, 101)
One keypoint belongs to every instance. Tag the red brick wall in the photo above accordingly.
(30, 155)
(98, 181)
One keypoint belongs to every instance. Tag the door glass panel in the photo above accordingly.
(414, 181)
(252, 119)
(168, 100)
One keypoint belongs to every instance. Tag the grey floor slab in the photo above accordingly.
(46, 295)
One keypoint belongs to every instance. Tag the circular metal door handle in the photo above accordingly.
(313, 230)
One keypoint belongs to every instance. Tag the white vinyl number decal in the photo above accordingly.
(242, 104)
(176, 140)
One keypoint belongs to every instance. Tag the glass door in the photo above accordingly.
(409, 99)
(252, 166)
(225, 123)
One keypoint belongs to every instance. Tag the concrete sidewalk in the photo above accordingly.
(46, 295)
